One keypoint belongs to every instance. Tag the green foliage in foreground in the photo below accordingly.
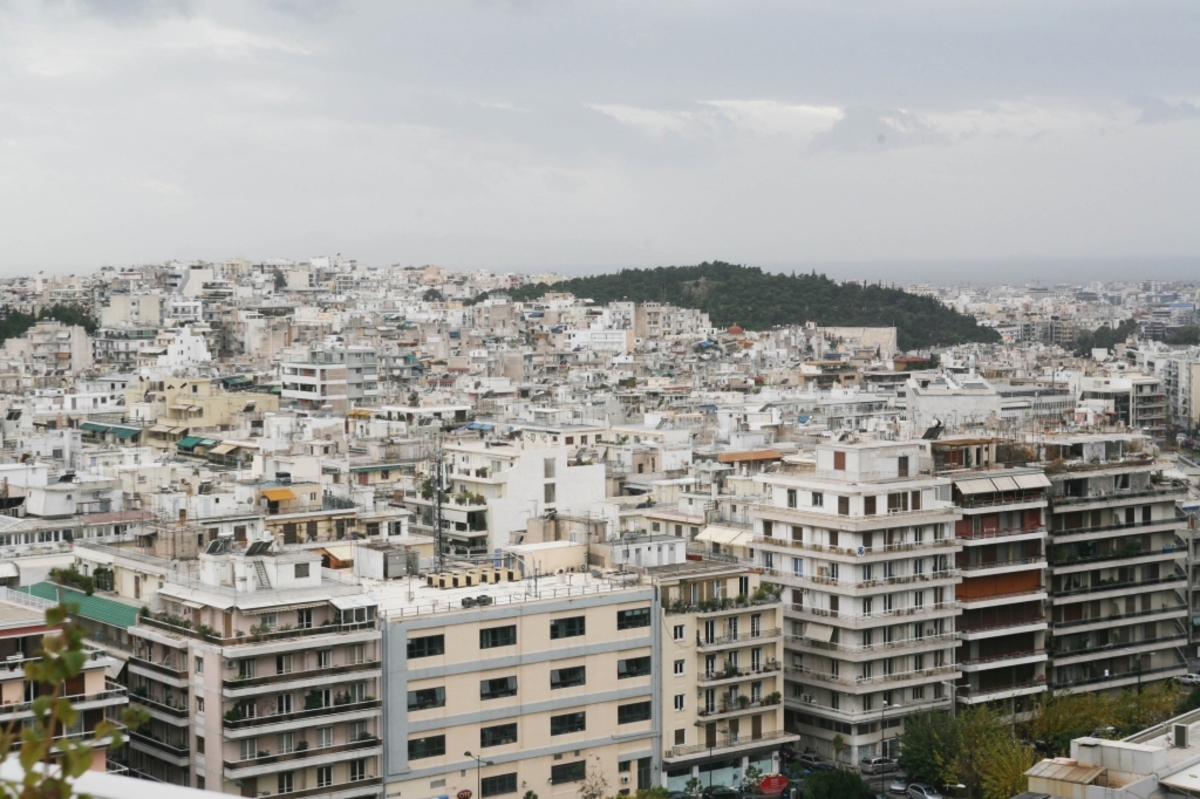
(835, 784)
(758, 300)
(52, 764)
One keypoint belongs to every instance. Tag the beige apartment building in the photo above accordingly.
(513, 685)
(260, 678)
(722, 673)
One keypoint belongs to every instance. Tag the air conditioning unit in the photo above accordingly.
(624, 780)
(229, 664)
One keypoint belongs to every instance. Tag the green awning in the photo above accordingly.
(188, 443)
(95, 427)
(123, 433)
(235, 380)
(207, 442)
(97, 608)
(276, 389)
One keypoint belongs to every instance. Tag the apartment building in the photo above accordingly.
(337, 378)
(22, 626)
(722, 673)
(863, 543)
(521, 685)
(1002, 628)
(261, 677)
(1118, 576)
(1135, 400)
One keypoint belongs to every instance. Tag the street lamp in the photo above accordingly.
(479, 763)
(711, 744)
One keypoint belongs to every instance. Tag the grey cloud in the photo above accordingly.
(131, 11)
(1156, 110)
(872, 130)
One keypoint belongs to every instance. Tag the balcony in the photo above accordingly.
(729, 709)
(238, 769)
(974, 694)
(237, 687)
(368, 787)
(856, 621)
(1114, 497)
(989, 536)
(171, 710)
(259, 638)
(1092, 533)
(1024, 624)
(723, 641)
(1068, 656)
(894, 680)
(728, 676)
(1114, 589)
(150, 743)
(861, 554)
(113, 694)
(867, 587)
(1003, 566)
(726, 745)
(724, 606)
(1127, 556)
(1153, 614)
(328, 715)
(1003, 659)
(170, 667)
(1116, 680)
(873, 651)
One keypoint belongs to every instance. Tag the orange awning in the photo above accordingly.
(278, 494)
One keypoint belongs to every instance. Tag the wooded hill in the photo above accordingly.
(758, 300)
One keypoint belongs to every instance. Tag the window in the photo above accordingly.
(199, 665)
(498, 785)
(839, 461)
(358, 769)
(426, 698)
(499, 735)
(791, 497)
(433, 746)
(199, 704)
(633, 667)
(497, 687)
(324, 776)
(324, 737)
(357, 654)
(918, 693)
(269, 620)
(568, 723)
(567, 628)
(818, 500)
(568, 772)
(324, 658)
(283, 664)
(629, 619)
(285, 783)
(680, 701)
(843, 506)
(680, 666)
(492, 637)
(548, 468)
(301, 570)
(283, 703)
(245, 668)
(285, 742)
(427, 646)
(679, 632)
(636, 711)
(356, 692)
(200, 744)
(568, 678)
(358, 730)
(248, 748)
(549, 493)
(869, 506)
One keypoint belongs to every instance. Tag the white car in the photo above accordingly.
(1190, 679)
(919, 791)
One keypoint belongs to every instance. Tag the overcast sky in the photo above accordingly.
(578, 135)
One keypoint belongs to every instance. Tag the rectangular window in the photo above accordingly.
(568, 772)
(358, 769)
(245, 668)
(869, 505)
(679, 666)
(324, 776)
(285, 743)
(497, 687)
(200, 744)
(629, 619)
(498, 785)
(636, 711)
(499, 735)
(283, 664)
(433, 746)
(568, 723)
(567, 628)
(818, 500)
(568, 678)
(426, 698)
(285, 783)
(791, 497)
(633, 667)
(839, 461)
(678, 633)
(301, 570)
(680, 701)
(843, 506)
(427, 646)
(492, 637)
(199, 665)
(356, 654)
(324, 737)
(248, 748)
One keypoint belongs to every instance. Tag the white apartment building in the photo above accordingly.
(863, 542)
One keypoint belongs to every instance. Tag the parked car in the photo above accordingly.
(720, 792)
(808, 761)
(879, 765)
(921, 791)
(898, 784)
(1190, 679)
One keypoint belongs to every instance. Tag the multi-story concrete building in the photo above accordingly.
(863, 541)
(1118, 581)
(22, 626)
(335, 378)
(521, 686)
(722, 673)
(1002, 626)
(261, 677)
(1136, 401)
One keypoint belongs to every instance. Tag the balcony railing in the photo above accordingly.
(727, 742)
(1092, 589)
(736, 706)
(1122, 554)
(299, 754)
(737, 674)
(965, 627)
(278, 718)
(1113, 495)
(267, 637)
(725, 640)
(997, 658)
(153, 704)
(885, 549)
(1118, 647)
(143, 737)
(113, 691)
(1001, 564)
(364, 784)
(1181, 609)
(901, 643)
(172, 667)
(1058, 535)
(988, 535)
(1124, 675)
(331, 671)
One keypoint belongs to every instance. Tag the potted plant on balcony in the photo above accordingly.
(743, 701)
(301, 748)
(772, 698)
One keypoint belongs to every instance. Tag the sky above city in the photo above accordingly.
(576, 136)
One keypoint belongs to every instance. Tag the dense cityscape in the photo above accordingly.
(293, 502)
